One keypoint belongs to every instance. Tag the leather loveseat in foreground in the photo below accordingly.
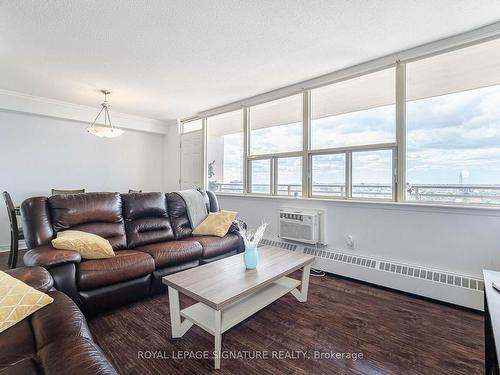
(149, 232)
(53, 340)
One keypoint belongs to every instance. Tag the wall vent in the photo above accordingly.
(340, 257)
(281, 245)
(432, 275)
(399, 268)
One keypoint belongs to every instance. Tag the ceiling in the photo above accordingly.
(170, 59)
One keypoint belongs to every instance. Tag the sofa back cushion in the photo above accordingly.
(37, 222)
(146, 218)
(177, 212)
(98, 213)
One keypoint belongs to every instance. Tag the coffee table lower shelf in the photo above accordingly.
(204, 316)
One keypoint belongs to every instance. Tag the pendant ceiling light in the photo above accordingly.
(107, 130)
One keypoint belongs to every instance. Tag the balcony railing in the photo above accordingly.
(466, 193)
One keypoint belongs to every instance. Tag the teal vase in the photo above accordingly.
(251, 257)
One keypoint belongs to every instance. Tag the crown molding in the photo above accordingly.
(11, 101)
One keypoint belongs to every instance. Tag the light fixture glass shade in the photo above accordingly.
(107, 130)
(104, 131)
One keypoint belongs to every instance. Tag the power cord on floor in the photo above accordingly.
(317, 272)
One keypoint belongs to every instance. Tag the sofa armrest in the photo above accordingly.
(36, 277)
(234, 226)
(47, 256)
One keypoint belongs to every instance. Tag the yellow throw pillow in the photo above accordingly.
(216, 224)
(90, 246)
(18, 300)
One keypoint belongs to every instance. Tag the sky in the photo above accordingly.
(445, 135)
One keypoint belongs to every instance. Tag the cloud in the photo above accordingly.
(447, 134)
(372, 126)
(283, 138)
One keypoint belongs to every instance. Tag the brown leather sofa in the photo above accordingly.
(54, 339)
(150, 233)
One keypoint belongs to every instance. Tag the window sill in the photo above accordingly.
(383, 204)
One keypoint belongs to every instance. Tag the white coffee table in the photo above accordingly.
(227, 293)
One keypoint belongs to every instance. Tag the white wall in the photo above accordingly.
(459, 240)
(172, 157)
(39, 153)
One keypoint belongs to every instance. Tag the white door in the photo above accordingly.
(192, 160)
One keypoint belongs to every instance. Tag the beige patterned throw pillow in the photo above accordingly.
(18, 300)
(216, 224)
(90, 246)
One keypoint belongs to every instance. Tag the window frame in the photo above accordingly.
(346, 177)
(205, 154)
(397, 61)
(348, 151)
(193, 119)
(271, 176)
(277, 175)
(307, 152)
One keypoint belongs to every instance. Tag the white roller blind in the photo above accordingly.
(224, 124)
(464, 69)
(368, 91)
(278, 112)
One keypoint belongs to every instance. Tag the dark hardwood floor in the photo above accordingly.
(396, 334)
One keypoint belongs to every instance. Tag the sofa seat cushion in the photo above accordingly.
(172, 252)
(125, 265)
(214, 246)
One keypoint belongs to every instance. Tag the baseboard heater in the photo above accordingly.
(421, 280)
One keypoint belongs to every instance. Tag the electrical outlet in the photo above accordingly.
(349, 240)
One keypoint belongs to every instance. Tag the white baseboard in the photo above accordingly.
(6, 247)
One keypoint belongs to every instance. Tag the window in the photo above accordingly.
(276, 126)
(356, 112)
(260, 176)
(453, 126)
(225, 152)
(349, 118)
(192, 126)
(290, 176)
(451, 142)
(372, 175)
(328, 175)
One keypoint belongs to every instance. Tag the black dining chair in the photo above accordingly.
(16, 233)
(62, 192)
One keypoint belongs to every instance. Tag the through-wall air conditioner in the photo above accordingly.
(300, 225)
